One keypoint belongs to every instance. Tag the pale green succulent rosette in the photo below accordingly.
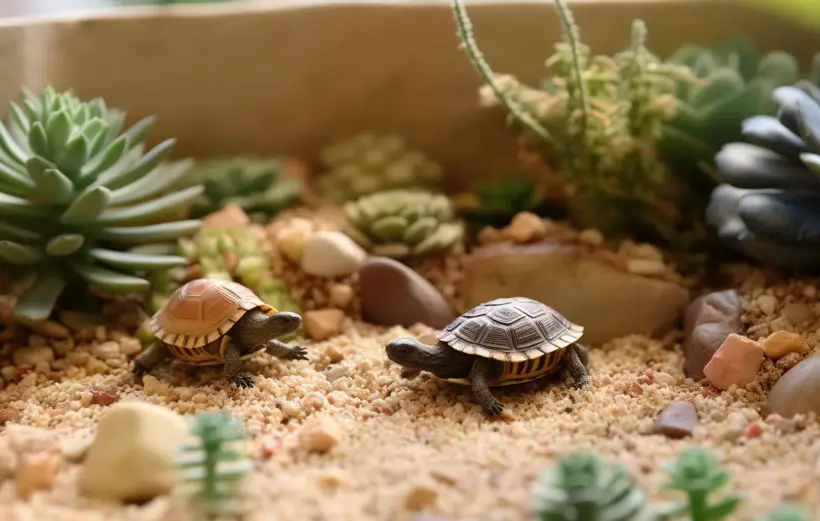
(403, 223)
(75, 192)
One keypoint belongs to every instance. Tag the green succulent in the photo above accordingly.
(75, 191)
(370, 163)
(697, 473)
(252, 183)
(787, 512)
(583, 487)
(735, 82)
(403, 223)
(211, 467)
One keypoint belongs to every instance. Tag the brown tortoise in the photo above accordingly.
(212, 322)
(502, 342)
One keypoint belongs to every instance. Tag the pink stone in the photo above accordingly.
(736, 362)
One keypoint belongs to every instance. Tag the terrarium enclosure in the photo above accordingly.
(420, 260)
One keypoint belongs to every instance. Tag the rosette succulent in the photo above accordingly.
(252, 183)
(75, 191)
(733, 82)
(403, 223)
(582, 487)
(370, 163)
(769, 205)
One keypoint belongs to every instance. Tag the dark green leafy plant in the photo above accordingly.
(697, 474)
(75, 192)
(768, 205)
(583, 487)
(734, 82)
(211, 467)
(252, 183)
(601, 119)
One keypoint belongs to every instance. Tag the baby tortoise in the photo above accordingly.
(502, 342)
(212, 322)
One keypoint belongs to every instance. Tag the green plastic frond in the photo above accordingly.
(697, 473)
(73, 186)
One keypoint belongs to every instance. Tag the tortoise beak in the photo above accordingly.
(289, 321)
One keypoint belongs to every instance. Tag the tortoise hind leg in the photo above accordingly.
(479, 378)
(233, 368)
(577, 359)
(149, 358)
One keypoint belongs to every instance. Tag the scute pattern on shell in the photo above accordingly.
(202, 311)
(510, 330)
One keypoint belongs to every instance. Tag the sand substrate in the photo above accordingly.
(423, 444)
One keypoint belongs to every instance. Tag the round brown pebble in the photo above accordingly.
(677, 420)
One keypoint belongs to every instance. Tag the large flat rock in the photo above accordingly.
(608, 302)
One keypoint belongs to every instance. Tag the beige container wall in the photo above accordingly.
(288, 77)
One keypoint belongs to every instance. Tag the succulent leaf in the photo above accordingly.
(402, 223)
(63, 166)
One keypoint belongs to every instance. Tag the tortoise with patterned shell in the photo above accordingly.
(502, 342)
(213, 322)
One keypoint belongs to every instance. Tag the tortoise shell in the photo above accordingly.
(202, 311)
(513, 329)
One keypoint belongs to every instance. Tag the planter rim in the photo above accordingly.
(244, 7)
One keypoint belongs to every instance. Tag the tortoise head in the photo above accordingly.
(412, 354)
(282, 323)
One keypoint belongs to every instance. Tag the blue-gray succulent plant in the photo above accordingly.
(768, 206)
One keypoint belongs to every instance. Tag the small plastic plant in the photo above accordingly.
(601, 119)
(786, 512)
(76, 192)
(403, 223)
(696, 472)
(211, 467)
(252, 183)
(583, 487)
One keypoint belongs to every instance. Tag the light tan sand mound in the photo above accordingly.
(410, 444)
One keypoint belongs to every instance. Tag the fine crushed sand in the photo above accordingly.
(423, 442)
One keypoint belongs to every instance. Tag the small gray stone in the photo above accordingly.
(394, 295)
(797, 391)
(677, 420)
(709, 320)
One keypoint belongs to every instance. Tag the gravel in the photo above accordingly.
(379, 448)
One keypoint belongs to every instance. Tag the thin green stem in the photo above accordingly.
(574, 40)
(465, 31)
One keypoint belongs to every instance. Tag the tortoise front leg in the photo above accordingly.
(577, 359)
(233, 368)
(282, 350)
(145, 362)
(481, 390)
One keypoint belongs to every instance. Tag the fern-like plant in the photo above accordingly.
(583, 487)
(75, 192)
(600, 119)
(696, 472)
(211, 467)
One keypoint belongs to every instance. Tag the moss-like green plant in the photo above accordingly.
(696, 472)
(211, 467)
(601, 119)
(583, 487)
(252, 183)
(225, 254)
(370, 163)
(403, 223)
(787, 512)
(75, 191)
(735, 82)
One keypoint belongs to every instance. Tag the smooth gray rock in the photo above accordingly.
(677, 420)
(708, 321)
(797, 391)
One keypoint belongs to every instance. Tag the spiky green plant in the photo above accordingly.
(75, 191)
(735, 82)
(583, 487)
(368, 163)
(696, 472)
(403, 223)
(252, 183)
(787, 512)
(600, 119)
(211, 467)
